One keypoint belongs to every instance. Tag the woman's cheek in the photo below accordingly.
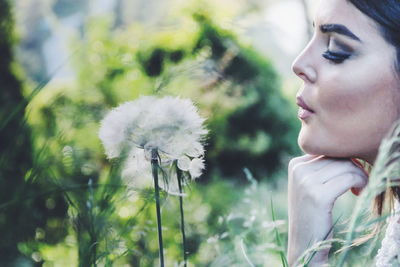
(344, 93)
(340, 101)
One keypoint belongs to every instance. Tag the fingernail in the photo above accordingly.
(356, 191)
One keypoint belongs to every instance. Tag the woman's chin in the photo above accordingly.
(310, 149)
(308, 144)
(314, 146)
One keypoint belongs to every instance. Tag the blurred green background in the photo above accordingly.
(65, 63)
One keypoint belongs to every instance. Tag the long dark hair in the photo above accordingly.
(386, 14)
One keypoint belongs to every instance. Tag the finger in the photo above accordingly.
(341, 184)
(304, 158)
(313, 161)
(335, 168)
(319, 163)
(356, 190)
(315, 168)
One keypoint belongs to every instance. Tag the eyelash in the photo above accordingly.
(335, 57)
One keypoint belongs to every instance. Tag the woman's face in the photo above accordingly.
(349, 82)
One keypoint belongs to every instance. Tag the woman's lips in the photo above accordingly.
(304, 110)
(304, 113)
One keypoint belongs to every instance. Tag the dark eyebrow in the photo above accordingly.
(340, 29)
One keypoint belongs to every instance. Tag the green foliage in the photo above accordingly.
(260, 130)
(25, 214)
(245, 235)
(250, 122)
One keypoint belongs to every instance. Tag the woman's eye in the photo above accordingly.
(335, 57)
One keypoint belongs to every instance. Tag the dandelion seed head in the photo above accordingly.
(136, 165)
(184, 163)
(196, 167)
(169, 124)
(114, 128)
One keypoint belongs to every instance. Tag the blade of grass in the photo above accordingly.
(242, 246)
(277, 238)
(325, 238)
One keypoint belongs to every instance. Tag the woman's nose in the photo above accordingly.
(304, 67)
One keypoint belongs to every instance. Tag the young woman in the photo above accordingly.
(350, 99)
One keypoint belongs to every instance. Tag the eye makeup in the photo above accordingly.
(340, 56)
(342, 46)
(335, 57)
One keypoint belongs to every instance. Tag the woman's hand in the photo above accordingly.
(315, 182)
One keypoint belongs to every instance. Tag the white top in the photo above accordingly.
(389, 253)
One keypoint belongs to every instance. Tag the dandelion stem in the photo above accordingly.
(179, 176)
(154, 166)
